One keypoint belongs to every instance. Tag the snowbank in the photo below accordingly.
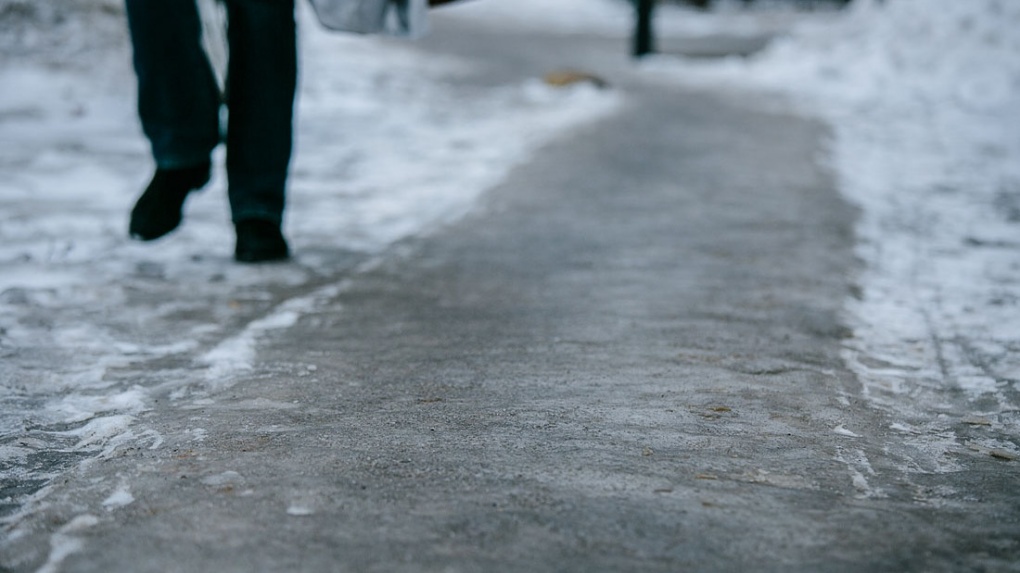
(923, 97)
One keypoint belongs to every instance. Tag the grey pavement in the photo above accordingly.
(627, 358)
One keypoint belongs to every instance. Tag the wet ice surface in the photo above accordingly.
(923, 98)
(93, 328)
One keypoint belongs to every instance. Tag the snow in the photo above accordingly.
(238, 353)
(225, 479)
(122, 497)
(300, 511)
(63, 545)
(923, 99)
(387, 147)
(845, 432)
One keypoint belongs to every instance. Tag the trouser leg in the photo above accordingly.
(178, 100)
(261, 81)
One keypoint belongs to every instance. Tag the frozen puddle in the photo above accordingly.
(93, 327)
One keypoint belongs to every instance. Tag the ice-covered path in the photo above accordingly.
(623, 352)
(923, 100)
(94, 327)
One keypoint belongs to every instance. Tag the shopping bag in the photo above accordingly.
(391, 17)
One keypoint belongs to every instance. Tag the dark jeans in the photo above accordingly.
(179, 101)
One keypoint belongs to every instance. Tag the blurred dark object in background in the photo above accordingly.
(802, 4)
(644, 39)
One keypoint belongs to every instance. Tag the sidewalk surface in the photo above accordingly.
(627, 358)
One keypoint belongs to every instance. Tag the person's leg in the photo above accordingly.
(178, 104)
(261, 83)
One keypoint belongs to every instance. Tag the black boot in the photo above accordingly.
(259, 241)
(158, 210)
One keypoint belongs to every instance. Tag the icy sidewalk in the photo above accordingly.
(627, 356)
(93, 327)
(923, 99)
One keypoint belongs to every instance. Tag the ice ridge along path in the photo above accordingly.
(627, 357)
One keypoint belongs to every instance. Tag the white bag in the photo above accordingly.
(394, 17)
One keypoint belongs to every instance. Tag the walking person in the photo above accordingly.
(179, 106)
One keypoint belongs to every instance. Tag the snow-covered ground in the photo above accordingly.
(386, 149)
(923, 97)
